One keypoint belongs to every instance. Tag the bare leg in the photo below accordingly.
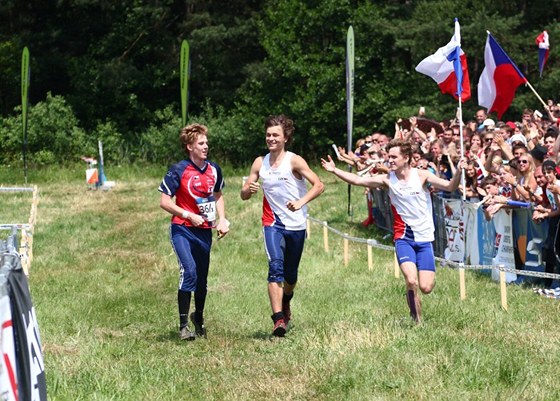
(410, 274)
(275, 293)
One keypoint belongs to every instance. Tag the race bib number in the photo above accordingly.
(207, 208)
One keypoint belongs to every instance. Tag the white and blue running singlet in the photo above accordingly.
(412, 208)
(280, 186)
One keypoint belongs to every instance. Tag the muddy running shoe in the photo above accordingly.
(287, 312)
(279, 328)
(186, 334)
(199, 328)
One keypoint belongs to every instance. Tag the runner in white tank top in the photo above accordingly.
(281, 186)
(407, 199)
(412, 209)
(283, 177)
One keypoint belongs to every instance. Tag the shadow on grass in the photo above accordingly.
(170, 336)
(262, 335)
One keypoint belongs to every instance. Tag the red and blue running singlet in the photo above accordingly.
(280, 186)
(411, 204)
(193, 189)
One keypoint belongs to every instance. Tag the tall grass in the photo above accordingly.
(104, 280)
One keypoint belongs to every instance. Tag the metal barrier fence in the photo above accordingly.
(22, 370)
(27, 229)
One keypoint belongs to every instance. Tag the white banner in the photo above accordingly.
(454, 231)
(8, 372)
(503, 245)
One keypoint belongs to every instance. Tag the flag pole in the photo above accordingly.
(536, 94)
(349, 100)
(463, 183)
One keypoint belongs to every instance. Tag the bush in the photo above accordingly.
(53, 134)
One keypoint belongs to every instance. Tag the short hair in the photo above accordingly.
(548, 164)
(489, 180)
(191, 132)
(405, 147)
(285, 122)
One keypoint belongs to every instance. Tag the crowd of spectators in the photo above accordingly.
(509, 162)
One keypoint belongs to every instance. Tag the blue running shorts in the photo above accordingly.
(283, 249)
(419, 253)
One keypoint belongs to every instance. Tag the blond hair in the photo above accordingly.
(190, 133)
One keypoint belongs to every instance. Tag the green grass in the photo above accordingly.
(104, 278)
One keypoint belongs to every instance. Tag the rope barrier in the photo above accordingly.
(372, 243)
(442, 261)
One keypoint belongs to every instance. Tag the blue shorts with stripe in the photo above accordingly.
(419, 253)
(284, 249)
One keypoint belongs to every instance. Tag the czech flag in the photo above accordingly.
(448, 67)
(544, 49)
(499, 79)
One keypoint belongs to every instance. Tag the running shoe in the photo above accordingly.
(199, 328)
(279, 328)
(287, 312)
(186, 334)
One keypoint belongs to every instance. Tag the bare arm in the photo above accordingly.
(252, 185)
(223, 224)
(300, 167)
(442, 184)
(376, 181)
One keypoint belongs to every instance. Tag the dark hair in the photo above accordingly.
(514, 163)
(549, 164)
(489, 180)
(285, 122)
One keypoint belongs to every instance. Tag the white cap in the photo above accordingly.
(520, 138)
(489, 122)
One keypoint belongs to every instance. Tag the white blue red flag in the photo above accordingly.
(448, 67)
(544, 49)
(499, 79)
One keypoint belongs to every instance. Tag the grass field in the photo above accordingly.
(104, 277)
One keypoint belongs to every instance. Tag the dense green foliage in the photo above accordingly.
(116, 66)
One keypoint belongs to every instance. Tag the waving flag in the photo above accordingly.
(499, 79)
(448, 67)
(542, 42)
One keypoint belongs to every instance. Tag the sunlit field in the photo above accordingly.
(104, 277)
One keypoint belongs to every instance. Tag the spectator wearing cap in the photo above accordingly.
(488, 124)
(518, 139)
(551, 213)
(512, 126)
